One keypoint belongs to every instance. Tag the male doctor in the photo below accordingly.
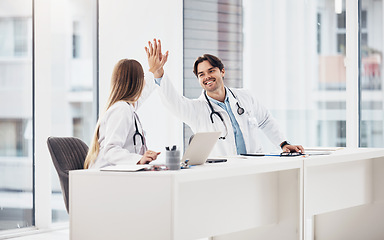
(233, 112)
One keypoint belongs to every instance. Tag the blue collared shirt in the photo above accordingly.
(239, 139)
(158, 80)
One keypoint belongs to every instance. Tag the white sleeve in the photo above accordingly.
(184, 108)
(119, 123)
(267, 123)
(147, 90)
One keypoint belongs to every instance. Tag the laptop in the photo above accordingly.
(197, 152)
(200, 147)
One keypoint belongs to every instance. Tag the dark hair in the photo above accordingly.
(213, 60)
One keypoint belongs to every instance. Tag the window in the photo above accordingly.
(214, 28)
(15, 40)
(341, 31)
(371, 67)
(76, 40)
(294, 64)
(332, 78)
(21, 36)
(73, 111)
(13, 141)
(16, 155)
(318, 33)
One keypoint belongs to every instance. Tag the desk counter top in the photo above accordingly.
(235, 166)
(344, 155)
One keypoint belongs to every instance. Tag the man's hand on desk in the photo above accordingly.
(293, 148)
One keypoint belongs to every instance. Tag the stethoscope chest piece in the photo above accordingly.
(240, 110)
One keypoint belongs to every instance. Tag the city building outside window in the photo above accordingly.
(16, 155)
(371, 68)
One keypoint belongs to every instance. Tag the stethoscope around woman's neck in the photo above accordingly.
(137, 133)
(240, 111)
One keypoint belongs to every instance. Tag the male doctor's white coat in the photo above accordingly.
(196, 113)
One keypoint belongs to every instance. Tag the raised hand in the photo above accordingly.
(156, 59)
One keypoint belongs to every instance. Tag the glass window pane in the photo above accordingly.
(363, 18)
(16, 178)
(341, 44)
(371, 80)
(73, 72)
(331, 78)
(294, 55)
(341, 20)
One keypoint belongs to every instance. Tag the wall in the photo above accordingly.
(124, 35)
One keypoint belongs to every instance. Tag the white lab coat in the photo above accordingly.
(117, 127)
(196, 113)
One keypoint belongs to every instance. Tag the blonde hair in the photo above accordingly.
(127, 83)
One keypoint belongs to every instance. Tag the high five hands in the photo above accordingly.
(156, 59)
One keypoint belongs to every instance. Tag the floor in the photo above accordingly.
(16, 209)
(53, 235)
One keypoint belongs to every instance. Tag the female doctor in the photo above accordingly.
(119, 137)
(233, 112)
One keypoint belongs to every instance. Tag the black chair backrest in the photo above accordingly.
(68, 153)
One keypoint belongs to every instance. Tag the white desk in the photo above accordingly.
(209, 200)
(340, 196)
(344, 195)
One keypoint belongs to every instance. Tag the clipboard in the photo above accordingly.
(134, 168)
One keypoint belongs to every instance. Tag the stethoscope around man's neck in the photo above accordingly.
(240, 111)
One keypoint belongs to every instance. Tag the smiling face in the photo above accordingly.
(210, 78)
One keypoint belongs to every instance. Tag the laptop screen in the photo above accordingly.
(200, 147)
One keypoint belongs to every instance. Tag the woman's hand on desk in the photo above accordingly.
(148, 157)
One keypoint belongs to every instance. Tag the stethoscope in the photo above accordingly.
(240, 111)
(137, 133)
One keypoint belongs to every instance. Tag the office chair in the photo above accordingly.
(67, 153)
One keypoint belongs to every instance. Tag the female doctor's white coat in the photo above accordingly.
(196, 113)
(117, 128)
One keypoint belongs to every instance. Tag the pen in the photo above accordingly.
(284, 154)
(260, 155)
